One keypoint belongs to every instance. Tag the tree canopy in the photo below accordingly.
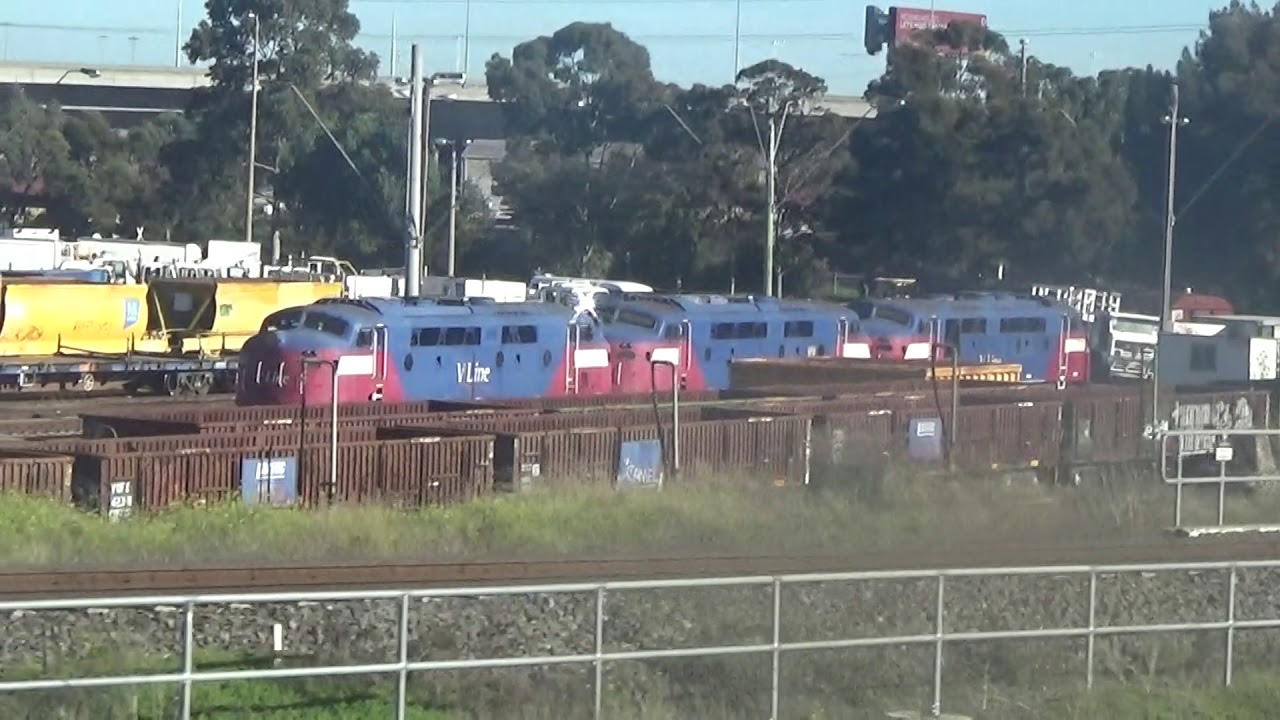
(968, 168)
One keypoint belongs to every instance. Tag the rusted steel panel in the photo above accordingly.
(36, 473)
(858, 436)
(421, 471)
(776, 449)
(568, 421)
(605, 401)
(586, 455)
(169, 421)
(1105, 429)
(1002, 436)
(407, 472)
(173, 443)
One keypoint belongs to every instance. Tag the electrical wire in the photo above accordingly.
(666, 37)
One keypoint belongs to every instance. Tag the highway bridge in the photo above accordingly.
(129, 95)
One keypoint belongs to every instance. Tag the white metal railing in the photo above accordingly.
(1173, 466)
(940, 636)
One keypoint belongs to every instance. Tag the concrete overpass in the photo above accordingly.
(130, 95)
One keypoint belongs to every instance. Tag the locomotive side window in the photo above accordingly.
(425, 337)
(722, 331)
(673, 331)
(1023, 325)
(798, 329)
(519, 334)
(364, 338)
(462, 336)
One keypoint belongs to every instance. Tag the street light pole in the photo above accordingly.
(253, 133)
(91, 73)
(1175, 121)
(454, 163)
(455, 149)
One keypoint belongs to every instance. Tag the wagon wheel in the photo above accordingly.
(174, 384)
(87, 382)
(200, 384)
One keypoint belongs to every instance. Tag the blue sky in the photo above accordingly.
(690, 40)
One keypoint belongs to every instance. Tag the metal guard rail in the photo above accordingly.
(403, 666)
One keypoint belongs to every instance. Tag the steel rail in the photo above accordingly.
(31, 584)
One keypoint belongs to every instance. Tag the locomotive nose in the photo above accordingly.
(263, 370)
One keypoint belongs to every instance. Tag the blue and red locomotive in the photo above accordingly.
(398, 350)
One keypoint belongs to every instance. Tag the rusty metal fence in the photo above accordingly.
(1233, 618)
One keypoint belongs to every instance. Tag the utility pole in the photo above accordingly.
(1022, 64)
(177, 34)
(395, 43)
(1175, 121)
(771, 183)
(777, 125)
(413, 253)
(737, 40)
(253, 131)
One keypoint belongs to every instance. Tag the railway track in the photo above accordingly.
(60, 417)
(34, 584)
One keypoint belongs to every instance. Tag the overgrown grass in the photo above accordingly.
(1252, 697)
(854, 509)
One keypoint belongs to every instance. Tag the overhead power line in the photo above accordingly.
(669, 37)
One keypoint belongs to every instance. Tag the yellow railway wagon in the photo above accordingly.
(217, 316)
(48, 318)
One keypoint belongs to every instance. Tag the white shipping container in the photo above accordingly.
(503, 291)
(1199, 360)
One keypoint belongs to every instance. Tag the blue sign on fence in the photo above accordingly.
(640, 464)
(924, 439)
(269, 481)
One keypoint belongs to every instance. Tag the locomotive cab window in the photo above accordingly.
(364, 338)
(673, 331)
(283, 320)
(327, 323)
(638, 319)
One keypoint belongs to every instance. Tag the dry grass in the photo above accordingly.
(852, 509)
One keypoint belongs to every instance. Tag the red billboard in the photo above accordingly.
(905, 23)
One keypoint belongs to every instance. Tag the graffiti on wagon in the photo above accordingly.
(1216, 415)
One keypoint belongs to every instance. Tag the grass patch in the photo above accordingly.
(1252, 697)
(854, 509)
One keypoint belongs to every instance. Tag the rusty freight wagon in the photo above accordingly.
(713, 442)
(421, 471)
